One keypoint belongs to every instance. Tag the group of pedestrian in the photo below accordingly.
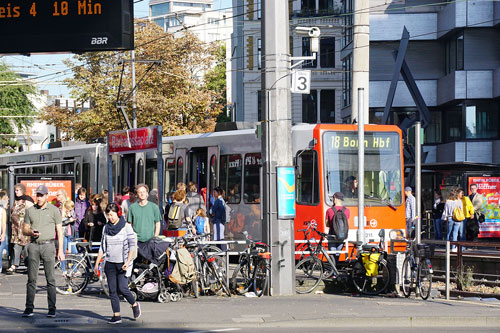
(463, 226)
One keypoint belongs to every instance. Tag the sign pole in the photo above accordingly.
(361, 167)
(159, 158)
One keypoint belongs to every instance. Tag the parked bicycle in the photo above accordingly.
(367, 270)
(78, 272)
(253, 270)
(417, 270)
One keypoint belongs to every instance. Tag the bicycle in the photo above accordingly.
(417, 270)
(79, 271)
(253, 270)
(368, 271)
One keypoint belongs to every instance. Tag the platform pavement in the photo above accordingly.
(91, 310)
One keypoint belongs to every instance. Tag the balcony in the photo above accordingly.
(473, 14)
(306, 12)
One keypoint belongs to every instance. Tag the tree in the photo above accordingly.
(15, 100)
(215, 80)
(171, 94)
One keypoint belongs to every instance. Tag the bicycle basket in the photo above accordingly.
(425, 250)
(370, 261)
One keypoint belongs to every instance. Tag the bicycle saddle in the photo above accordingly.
(369, 247)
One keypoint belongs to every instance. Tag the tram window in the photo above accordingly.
(251, 180)
(213, 172)
(307, 178)
(180, 170)
(230, 177)
(78, 174)
(55, 169)
(86, 176)
(48, 169)
(152, 173)
(4, 179)
(22, 170)
(140, 171)
(169, 175)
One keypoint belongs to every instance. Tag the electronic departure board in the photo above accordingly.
(30, 26)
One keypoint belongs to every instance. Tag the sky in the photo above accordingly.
(48, 66)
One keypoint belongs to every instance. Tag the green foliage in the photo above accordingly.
(466, 279)
(215, 80)
(15, 100)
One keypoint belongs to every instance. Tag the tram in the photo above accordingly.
(325, 159)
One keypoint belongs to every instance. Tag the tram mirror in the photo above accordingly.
(381, 233)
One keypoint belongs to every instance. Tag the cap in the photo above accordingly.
(338, 195)
(42, 189)
(408, 188)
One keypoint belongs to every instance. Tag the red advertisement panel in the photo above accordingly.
(52, 185)
(133, 140)
(489, 188)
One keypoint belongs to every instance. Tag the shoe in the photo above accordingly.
(137, 311)
(28, 313)
(11, 270)
(115, 320)
(52, 313)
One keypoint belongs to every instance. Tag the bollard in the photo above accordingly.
(447, 287)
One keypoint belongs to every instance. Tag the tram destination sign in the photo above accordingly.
(134, 140)
(65, 26)
(374, 141)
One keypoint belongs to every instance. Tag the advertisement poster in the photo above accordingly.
(489, 188)
(53, 185)
(286, 192)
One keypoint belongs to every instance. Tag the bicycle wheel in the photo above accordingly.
(240, 281)
(220, 275)
(308, 275)
(371, 285)
(74, 278)
(424, 279)
(221, 259)
(261, 277)
(408, 277)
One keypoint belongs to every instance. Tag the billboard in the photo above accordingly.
(53, 184)
(489, 188)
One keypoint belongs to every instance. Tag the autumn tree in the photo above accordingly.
(215, 80)
(16, 107)
(172, 94)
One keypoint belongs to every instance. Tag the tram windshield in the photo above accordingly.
(382, 177)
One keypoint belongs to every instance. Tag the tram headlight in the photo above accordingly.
(395, 234)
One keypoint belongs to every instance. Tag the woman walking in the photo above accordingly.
(19, 240)
(118, 247)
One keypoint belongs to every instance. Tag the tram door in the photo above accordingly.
(203, 168)
(126, 177)
(140, 171)
(213, 170)
(180, 162)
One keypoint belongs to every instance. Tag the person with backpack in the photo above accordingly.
(201, 225)
(219, 216)
(468, 210)
(119, 248)
(453, 213)
(195, 200)
(178, 213)
(337, 221)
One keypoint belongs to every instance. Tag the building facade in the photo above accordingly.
(323, 104)
(201, 18)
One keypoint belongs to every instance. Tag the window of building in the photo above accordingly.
(433, 131)
(251, 178)
(309, 107)
(307, 178)
(259, 53)
(259, 9)
(160, 9)
(308, 7)
(160, 22)
(259, 105)
(347, 9)
(327, 52)
(326, 7)
(347, 81)
(230, 176)
(306, 52)
(481, 120)
(452, 123)
(454, 53)
(327, 106)
(212, 20)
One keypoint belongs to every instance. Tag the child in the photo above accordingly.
(201, 225)
(68, 222)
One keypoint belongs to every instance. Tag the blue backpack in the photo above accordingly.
(199, 223)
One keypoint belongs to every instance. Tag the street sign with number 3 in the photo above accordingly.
(301, 82)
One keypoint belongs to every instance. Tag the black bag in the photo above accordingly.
(339, 225)
(175, 215)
